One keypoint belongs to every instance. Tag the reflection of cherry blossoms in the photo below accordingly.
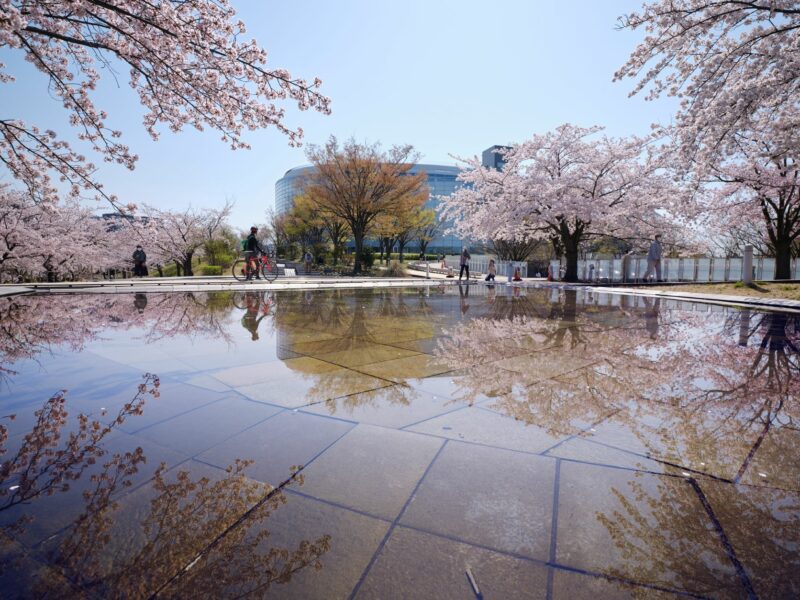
(30, 325)
(179, 532)
(675, 385)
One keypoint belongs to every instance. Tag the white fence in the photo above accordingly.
(673, 269)
(480, 265)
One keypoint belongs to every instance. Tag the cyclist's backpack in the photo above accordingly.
(243, 244)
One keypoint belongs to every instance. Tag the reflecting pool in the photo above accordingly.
(441, 442)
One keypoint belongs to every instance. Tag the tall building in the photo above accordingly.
(441, 181)
(493, 157)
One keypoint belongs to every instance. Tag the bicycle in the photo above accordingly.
(245, 268)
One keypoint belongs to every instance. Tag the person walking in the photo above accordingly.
(654, 259)
(465, 257)
(139, 260)
(308, 260)
(491, 270)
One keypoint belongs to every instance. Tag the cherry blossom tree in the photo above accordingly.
(53, 241)
(189, 62)
(732, 64)
(760, 185)
(567, 184)
(178, 235)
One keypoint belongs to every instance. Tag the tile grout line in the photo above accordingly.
(394, 523)
(543, 563)
(554, 528)
(245, 515)
(744, 579)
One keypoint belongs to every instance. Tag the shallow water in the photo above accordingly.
(394, 443)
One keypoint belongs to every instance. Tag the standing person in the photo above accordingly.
(251, 251)
(654, 259)
(308, 260)
(139, 259)
(491, 271)
(465, 256)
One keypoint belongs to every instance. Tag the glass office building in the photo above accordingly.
(441, 181)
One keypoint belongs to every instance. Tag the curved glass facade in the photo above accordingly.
(441, 181)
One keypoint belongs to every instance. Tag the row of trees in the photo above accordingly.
(728, 166)
(66, 240)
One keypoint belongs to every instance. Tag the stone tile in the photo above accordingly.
(274, 370)
(496, 498)
(702, 443)
(371, 469)
(576, 586)
(478, 425)
(277, 444)
(538, 366)
(763, 526)
(469, 386)
(364, 355)
(426, 345)
(400, 370)
(776, 463)
(394, 406)
(582, 450)
(133, 548)
(209, 425)
(173, 399)
(645, 528)
(47, 514)
(207, 382)
(23, 575)
(350, 538)
(309, 389)
(420, 565)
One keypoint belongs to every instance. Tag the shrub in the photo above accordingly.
(367, 257)
(211, 270)
(395, 269)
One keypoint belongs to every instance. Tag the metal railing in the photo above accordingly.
(480, 265)
(633, 268)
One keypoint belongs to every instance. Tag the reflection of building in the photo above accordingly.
(441, 181)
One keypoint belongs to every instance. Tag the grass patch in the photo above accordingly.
(762, 289)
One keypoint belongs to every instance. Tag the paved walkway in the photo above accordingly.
(226, 283)
(207, 284)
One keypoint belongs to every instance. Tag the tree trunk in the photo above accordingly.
(571, 254)
(423, 248)
(178, 268)
(160, 270)
(400, 247)
(783, 260)
(187, 264)
(358, 238)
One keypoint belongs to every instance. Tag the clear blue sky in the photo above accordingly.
(448, 77)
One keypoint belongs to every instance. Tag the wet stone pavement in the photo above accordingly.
(445, 442)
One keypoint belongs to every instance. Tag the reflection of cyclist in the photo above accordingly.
(251, 319)
(252, 249)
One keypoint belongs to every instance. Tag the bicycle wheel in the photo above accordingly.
(240, 269)
(269, 268)
(240, 299)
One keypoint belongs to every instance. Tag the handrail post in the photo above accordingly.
(747, 268)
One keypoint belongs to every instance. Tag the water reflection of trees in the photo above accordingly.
(179, 535)
(698, 390)
(32, 325)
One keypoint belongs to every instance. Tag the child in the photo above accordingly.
(492, 271)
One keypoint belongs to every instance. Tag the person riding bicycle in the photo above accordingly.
(252, 249)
